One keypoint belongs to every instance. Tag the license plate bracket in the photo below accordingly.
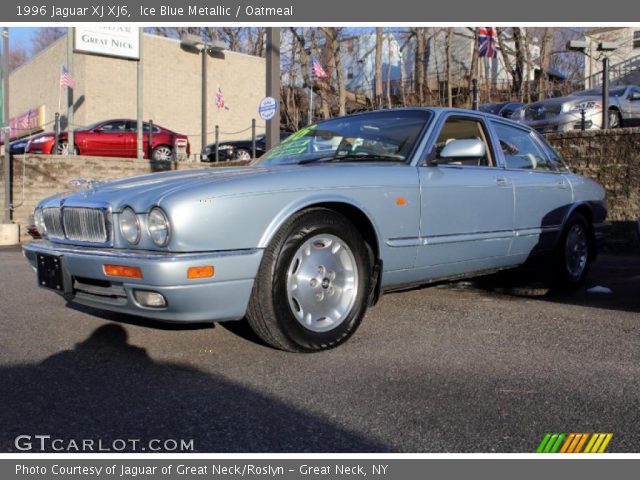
(50, 272)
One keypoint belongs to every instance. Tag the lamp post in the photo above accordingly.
(581, 46)
(195, 43)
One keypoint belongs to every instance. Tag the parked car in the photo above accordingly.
(110, 138)
(305, 239)
(18, 146)
(562, 114)
(238, 149)
(504, 109)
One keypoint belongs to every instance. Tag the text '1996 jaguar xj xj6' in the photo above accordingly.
(303, 241)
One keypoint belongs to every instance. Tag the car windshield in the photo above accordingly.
(595, 92)
(379, 136)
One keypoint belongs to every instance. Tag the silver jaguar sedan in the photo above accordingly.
(302, 242)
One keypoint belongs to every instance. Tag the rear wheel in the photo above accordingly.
(311, 290)
(573, 254)
(162, 153)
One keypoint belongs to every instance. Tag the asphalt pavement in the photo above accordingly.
(482, 366)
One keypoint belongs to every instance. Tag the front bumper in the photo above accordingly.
(225, 296)
(566, 122)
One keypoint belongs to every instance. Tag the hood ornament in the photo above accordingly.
(83, 183)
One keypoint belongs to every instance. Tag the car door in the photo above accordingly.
(631, 108)
(466, 205)
(542, 192)
(111, 139)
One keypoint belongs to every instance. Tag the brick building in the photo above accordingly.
(106, 88)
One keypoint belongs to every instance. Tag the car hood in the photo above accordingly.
(144, 191)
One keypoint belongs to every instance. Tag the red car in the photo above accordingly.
(110, 138)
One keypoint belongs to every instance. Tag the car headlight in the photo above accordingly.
(129, 225)
(206, 150)
(159, 229)
(590, 105)
(46, 138)
(38, 221)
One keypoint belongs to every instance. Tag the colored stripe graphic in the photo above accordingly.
(553, 442)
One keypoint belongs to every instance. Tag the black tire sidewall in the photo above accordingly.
(305, 227)
(564, 279)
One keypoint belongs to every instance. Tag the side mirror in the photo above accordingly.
(463, 149)
(635, 96)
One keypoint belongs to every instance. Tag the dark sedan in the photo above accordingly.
(504, 109)
(238, 149)
(110, 138)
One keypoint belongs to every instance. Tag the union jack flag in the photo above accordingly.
(317, 71)
(487, 42)
(220, 99)
(66, 80)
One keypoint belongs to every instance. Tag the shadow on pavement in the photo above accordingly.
(107, 389)
(613, 284)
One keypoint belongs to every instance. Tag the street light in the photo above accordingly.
(581, 46)
(195, 44)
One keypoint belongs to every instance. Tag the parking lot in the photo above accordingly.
(484, 366)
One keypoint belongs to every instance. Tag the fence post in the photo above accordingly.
(56, 132)
(253, 138)
(474, 93)
(217, 143)
(150, 140)
(583, 119)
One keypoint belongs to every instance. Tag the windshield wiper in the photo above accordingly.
(341, 158)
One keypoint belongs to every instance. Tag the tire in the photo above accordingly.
(289, 310)
(243, 154)
(162, 153)
(64, 146)
(615, 119)
(573, 254)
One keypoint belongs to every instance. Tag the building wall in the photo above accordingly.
(625, 51)
(106, 88)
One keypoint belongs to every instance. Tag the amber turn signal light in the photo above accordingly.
(201, 272)
(122, 271)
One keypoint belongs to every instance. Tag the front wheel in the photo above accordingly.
(312, 287)
(615, 119)
(243, 154)
(573, 254)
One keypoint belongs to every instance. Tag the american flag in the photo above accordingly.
(66, 80)
(317, 71)
(487, 42)
(220, 99)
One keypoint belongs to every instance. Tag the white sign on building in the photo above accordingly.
(113, 41)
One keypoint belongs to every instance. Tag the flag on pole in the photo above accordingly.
(317, 71)
(220, 99)
(487, 42)
(66, 80)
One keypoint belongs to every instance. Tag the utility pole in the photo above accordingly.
(273, 84)
(5, 123)
(139, 78)
(70, 144)
(605, 93)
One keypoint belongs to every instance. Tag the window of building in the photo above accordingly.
(636, 39)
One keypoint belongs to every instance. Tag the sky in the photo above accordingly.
(21, 36)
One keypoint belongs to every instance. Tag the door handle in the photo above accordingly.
(501, 181)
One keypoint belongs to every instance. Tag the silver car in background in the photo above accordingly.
(302, 242)
(563, 114)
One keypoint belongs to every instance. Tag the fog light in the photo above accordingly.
(149, 299)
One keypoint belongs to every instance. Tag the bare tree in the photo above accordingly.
(545, 59)
(41, 38)
(18, 55)
(332, 37)
(378, 69)
(420, 34)
(448, 35)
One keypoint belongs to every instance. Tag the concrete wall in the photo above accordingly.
(611, 157)
(106, 88)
